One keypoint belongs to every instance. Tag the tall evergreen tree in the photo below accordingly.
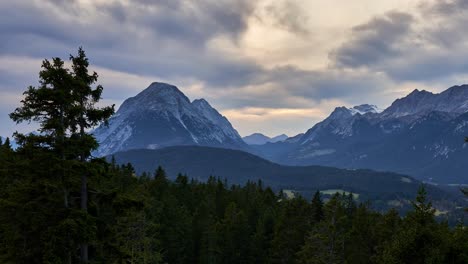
(64, 107)
(317, 207)
(86, 116)
(49, 105)
(420, 239)
(291, 228)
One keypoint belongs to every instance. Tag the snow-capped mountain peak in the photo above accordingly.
(345, 113)
(452, 100)
(341, 113)
(364, 109)
(161, 115)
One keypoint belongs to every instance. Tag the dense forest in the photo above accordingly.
(58, 204)
(148, 219)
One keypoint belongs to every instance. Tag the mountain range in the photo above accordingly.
(419, 135)
(260, 139)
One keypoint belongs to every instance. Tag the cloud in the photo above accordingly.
(195, 22)
(376, 40)
(445, 7)
(286, 120)
(424, 46)
(288, 15)
(243, 56)
(250, 120)
(164, 38)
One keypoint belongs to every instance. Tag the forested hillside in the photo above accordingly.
(385, 189)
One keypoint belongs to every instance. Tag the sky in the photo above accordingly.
(269, 66)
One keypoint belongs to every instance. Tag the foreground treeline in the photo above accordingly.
(149, 219)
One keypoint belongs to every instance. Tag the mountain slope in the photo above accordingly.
(279, 138)
(160, 116)
(420, 135)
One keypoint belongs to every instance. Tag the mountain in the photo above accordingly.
(452, 100)
(160, 116)
(238, 167)
(279, 138)
(260, 139)
(420, 135)
(256, 139)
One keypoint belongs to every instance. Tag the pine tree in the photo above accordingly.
(261, 239)
(49, 105)
(64, 107)
(421, 239)
(292, 225)
(326, 240)
(317, 207)
(7, 144)
(235, 235)
(86, 116)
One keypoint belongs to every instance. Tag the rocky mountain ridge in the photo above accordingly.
(161, 116)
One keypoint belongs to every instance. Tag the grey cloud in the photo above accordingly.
(289, 83)
(289, 16)
(378, 39)
(445, 23)
(425, 46)
(175, 47)
(328, 84)
(426, 65)
(196, 21)
(445, 7)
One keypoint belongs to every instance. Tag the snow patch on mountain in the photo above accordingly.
(364, 109)
(460, 127)
(441, 150)
(207, 111)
